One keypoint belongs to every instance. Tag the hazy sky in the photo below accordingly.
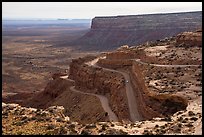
(88, 10)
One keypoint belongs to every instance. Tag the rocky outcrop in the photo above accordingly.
(114, 64)
(58, 75)
(190, 38)
(56, 87)
(57, 93)
(100, 81)
(97, 78)
(18, 120)
(94, 78)
(154, 105)
(120, 55)
(76, 63)
(111, 32)
(52, 90)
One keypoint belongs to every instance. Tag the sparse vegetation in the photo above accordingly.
(27, 66)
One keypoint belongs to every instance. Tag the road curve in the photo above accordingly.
(158, 65)
(103, 99)
(132, 104)
(104, 103)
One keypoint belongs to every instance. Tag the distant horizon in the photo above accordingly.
(89, 10)
(38, 19)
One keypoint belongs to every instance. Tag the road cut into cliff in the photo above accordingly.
(132, 103)
(104, 102)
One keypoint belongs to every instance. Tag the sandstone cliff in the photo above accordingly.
(100, 81)
(190, 38)
(57, 92)
(152, 104)
(181, 106)
(111, 32)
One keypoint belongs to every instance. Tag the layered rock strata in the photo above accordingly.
(100, 81)
(111, 32)
(190, 38)
(151, 104)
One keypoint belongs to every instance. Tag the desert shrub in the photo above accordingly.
(84, 132)
(90, 126)
(106, 113)
(51, 126)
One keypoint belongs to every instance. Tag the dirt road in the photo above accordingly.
(104, 103)
(158, 65)
(132, 104)
(103, 99)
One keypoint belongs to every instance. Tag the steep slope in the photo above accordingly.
(166, 75)
(111, 32)
(79, 107)
(144, 64)
(168, 92)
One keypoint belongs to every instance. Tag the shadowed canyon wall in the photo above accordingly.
(152, 104)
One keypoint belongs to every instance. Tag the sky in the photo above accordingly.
(89, 10)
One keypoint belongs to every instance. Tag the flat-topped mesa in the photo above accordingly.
(149, 21)
(109, 33)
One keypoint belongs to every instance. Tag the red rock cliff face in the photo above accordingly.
(152, 105)
(120, 55)
(114, 64)
(111, 32)
(100, 81)
(190, 38)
